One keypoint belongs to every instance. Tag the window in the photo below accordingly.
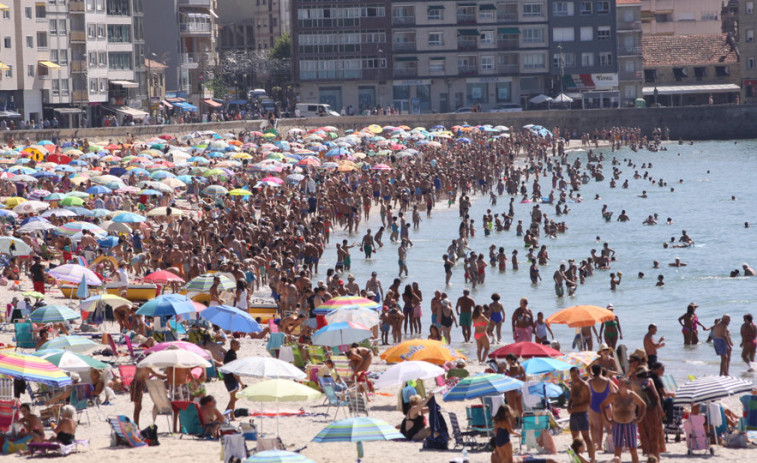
(568, 60)
(92, 59)
(563, 34)
(533, 61)
(563, 9)
(587, 59)
(436, 65)
(40, 11)
(630, 66)
(699, 72)
(585, 7)
(54, 56)
(28, 12)
(504, 92)
(55, 89)
(477, 93)
(722, 71)
(6, 14)
(103, 85)
(487, 63)
(90, 5)
(63, 57)
(64, 87)
(587, 33)
(487, 13)
(62, 26)
(101, 31)
(91, 31)
(100, 5)
(30, 70)
(119, 7)
(29, 41)
(93, 85)
(679, 74)
(750, 62)
(533, 35)
(119, 60)
(603, 7)
(603, 33)
(53, 27)
(709, 16)
(42, 40)
(9, 71)
(6, 42)
(531, 10)
(628, 15)
(605, 58)
(435, 39)
(119, 33)
(102, 59)
(750, 35)
(435, 14)
(749, 8)
(487, 37)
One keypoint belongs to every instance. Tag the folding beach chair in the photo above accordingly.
(8, 413)
(317, 354)
(342, 368)
(135, 354)
(532, 427)
(46, 448)
(159, 395)
(125, 432)
(269, 443)
(462, 439)
(127, 373)
(234, 448)
(696, 434)
(81, 395)
(116, 353)
(6, 389)
(749, 402)
(190, 420)
(356, 403)
(333, 400)
(24, 335)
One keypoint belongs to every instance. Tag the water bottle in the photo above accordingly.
(465, 454)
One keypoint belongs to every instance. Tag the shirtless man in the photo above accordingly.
(748, 271)
(650, 346)
(368, 244)
(352, 287)
(559, 277)
(721, 341)
(748, 340)
(374, 285)
(464, 309)
(627, 410)
(578, 407)
(522, 322)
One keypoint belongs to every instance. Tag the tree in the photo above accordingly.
(218, 87)
(282, 48)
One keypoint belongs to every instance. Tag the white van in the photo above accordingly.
(315, 110)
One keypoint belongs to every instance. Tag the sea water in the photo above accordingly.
(711, 173)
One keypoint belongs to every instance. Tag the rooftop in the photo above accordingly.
(687, 50)
(154, 64)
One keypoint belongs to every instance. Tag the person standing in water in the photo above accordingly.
(611, 330)
(721, 341)
(748, 340)
(497, 316)
(689, 323)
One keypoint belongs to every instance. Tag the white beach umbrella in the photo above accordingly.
(262, 367)
(401, 372)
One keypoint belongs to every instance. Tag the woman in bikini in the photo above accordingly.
(480, 322)
(689, 325)
(611, 330)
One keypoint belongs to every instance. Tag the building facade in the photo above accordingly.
(630, 58)
(740, 21)
(680, 17)
(251, 24)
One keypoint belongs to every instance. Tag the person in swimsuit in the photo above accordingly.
(600, 388)
(611, 329)
(722, 343)
(212, 418)
(541, 329)
(515, 370)
(523, 322)
(748, 340)
(32, 424)
(627, 410)
(497, 316)
(65, 429)
(447, 318)
(503, 447)
(413, 426)
(480, 323)
(689, 323)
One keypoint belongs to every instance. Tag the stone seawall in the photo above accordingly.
(717, 122)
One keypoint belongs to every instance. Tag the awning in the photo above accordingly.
(692, 89)
(68, 110)
(406, 58)
(9, 114)
(126, 111)
(437, 58)
(125, 83)
(467, 32)
(4, 67)
(213, 104)
(508, 30)
(166, 104)
(238, 102)
(49, 65)
(436, 7)
(4, 7)
(487, 7)
(186, 106)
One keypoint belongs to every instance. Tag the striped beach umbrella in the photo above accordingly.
(70, 361)
(278, 456)
(73, 273)
(710, 388)
(215, 190)
(73, 343)
(167, 305)
(202, 283)
(342, 302)
(129, 217)
(367, 317)
(53, 314)
(341, 333)
(33, 369)
(72, 228)
(358, 429)
(482, 385)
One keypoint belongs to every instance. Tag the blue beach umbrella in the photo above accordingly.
(482, 385)
(231, 319)
(99, 190)
(128, 217)
(167, 305)
(53, 314)
(543, 365)
(278, 456)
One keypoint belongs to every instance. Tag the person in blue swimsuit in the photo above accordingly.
(503, 447)
(600, 387)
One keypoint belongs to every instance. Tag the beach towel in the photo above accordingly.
(233, 448)
(275, 341)
(439, 437)
(125, 432)
(10, 445)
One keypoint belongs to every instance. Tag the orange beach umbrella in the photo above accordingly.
(581, 315)
(428, 350)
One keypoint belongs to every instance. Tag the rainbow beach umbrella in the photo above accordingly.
(358, 429)
(72, 228)
(32, 369)
(342, 302)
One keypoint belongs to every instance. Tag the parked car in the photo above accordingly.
(464, 109)
(254, 94)
(506, 108)
(315, 110)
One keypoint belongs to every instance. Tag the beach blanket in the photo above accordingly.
(10, 445)
(280, 412)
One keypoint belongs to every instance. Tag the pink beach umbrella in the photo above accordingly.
(180, 345)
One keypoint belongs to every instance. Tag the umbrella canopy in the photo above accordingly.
(361, 315)
(545, 390)
(525, 349)
(33, 369)
(542, 365)
(77, 344)
(73, 273)
(128, 217)
(262, 367)
(563, 98)
(341, 333)
(14, 247)
(278, 456)
(112, 300)
(428, 350)
(710, 388)
(162, 277)
(358, 429)
(231, 319)
(180, 345)
(203, 283)
(398, 374)
(174, 357)
(278, 390)
(581, 315)
(70, 361)
(346, 301)
(482, 385)
(53, 314)
(167, 305)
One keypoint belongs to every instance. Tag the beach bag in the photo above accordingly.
(736, 440)
(150, 435)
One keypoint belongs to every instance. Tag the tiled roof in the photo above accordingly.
(627, 2)
(687, 50)
(154, 64)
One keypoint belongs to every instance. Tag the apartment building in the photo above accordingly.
(680, 17)
(630, 57)
(251, 24)
(740, 22)
(182, 34)
(583, 51)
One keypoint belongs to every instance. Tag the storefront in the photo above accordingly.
(593, 90)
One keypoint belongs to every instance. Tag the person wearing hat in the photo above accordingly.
(606, 360)
(611, 329)
(689, 323)
(352, 287)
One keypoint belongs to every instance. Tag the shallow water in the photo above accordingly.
(701, 205)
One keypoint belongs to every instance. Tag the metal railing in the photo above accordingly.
(406, 72)
(404, 46)
(403, 20)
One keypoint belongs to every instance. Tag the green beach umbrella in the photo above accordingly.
(202, 283)
(53, 314)
(71, 201)
(69, 361)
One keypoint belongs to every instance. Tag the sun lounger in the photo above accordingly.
(45, 448)
(6, 389)
(24, 335)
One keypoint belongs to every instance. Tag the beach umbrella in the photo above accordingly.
(361, 315)
(36, 226)
(400, 373)
(163, 212)
(162, 277)
(358, 429)
(231, 319)
(476, 386)
(709, 388)
(31, 207)
(70, 361)
(215, 190)
(150, 192)
(278, 390)
(542, 365)
(180, 345)
(59, 213)
(203, 283)
(435, 352)
(128, 217)
(53, 314)
(341, 302)
(167, 305)
(32, 369)
(5, 214)
(14, 201)
(278, 456)
(33, 294)
(73, 273)
(99, 190)
(525, 349)
(262, 367)
(72, 228)
(240, 192)
(544, 390)
(341, 333)
(77, 344)
(108, 242)
(112, 300)
(581, 315)
(14, 247)
(381, 167)
(173, 357)
(71, 201)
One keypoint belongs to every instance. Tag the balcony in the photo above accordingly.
(195, 3)
(403, 20)
(404, 46)
(629, 51)
(194, 60)
(76, 7)
(406, 72)
(504, 16)
(508, 44)
(467, 70)
(195, 28)
(507, 68)
(78, 66)
(78, 36)
(80, 96)
(629, 26)
(467, 44)
(466, 19)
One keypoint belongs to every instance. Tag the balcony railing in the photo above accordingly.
(409, 72)
(507, 68)
(78, 36)
(76, 7)
(403, 20)
(195, 28)
(629, 25)
(466, 44)
(467, 70)
(404, 46)
(80, 96)
(466, 19)
(198, 3)
(189, 59)
(507, 17)
(507, 44)
(78, 65)
(626, 51)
